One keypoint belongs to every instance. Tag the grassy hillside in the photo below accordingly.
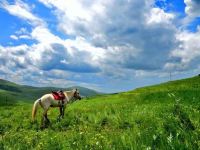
(11, 92)
(164, 116)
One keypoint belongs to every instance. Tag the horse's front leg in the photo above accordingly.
(61, 112)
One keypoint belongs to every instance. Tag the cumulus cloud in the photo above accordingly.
(114, 40)
(13, 57)
(128, 37)
(158, 15)
(187, 53)
(192, 8)
(51, 52)
(43, 35)
(59, 58)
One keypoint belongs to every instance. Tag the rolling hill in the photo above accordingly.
(164, 116)
(10, 91)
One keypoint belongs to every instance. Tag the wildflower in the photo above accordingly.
(169, 138)
(178, 100)
(148, 148)
(177, 134)
(138, 134)
(154, 137)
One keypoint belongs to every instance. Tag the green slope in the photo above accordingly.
(11, 92)
(164, 116)
(187, 90)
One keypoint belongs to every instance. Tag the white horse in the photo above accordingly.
(47, 101)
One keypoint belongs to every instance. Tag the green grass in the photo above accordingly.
(164, 116)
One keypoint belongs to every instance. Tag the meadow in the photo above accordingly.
(165, 116)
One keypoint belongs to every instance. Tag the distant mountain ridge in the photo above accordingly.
(10, 90)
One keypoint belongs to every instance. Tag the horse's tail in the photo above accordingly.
(34, 110)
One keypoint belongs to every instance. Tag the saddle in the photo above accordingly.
(59, 95)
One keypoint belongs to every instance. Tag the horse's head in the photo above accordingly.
(76, 94)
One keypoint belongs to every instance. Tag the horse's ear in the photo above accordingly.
(76, 89)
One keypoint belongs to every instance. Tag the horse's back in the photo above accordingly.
(46, 96)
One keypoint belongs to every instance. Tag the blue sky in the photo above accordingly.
(108, 46)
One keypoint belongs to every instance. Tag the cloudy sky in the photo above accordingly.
(107, 45)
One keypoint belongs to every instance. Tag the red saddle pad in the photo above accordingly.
(58, 96)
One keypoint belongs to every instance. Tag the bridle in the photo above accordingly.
(76, 95)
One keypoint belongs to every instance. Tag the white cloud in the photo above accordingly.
(43, 35)
(73, 12)
(22, 31)
(24, 37)
(192, 8)
(188, 51)
(189, 47)
(20, 37)
(21, 10)
(13, 57)
(81, 45)
(71, 47)
(13, 49)
(14, 37)
(158, 15)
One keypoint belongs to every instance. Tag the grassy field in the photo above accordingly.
(165, 116)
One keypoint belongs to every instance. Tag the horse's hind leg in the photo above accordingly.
(45, 120)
